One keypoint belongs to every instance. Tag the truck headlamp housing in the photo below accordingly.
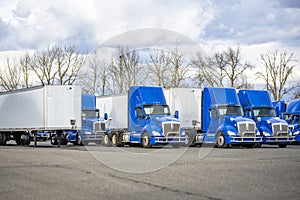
(87, 133)
(266, 134)
(257, 133)
(155, 133)
(231, 133)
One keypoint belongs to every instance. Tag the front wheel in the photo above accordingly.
(220, 141)
(145, 140)
(79, 139)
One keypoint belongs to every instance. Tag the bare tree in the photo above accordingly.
(10, 76)
(158, 66)
(117, 72)
(57, 65)
(124, 69)
(221, 67)
(277, 69)
(131, 61)
(42, 64)
(235, 68)
(95, 79)
(68, 62)
(177, 68)
(209, 70)
(296, 92)
(24, 62)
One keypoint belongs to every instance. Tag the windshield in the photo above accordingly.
(226, 110)
(90, 113)
(264, 112)
(157, 110)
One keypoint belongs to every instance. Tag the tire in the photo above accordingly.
(190, 140)
(114, 140)
(120, 142)
(106, 140)
(54, 141)
(220, 141)
(1, 138)
(146, 140)
(27, 142)
(258, 145)
(282, 145)
(79, 139)
(18, 139)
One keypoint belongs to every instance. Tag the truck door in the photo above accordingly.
(214, 121)
(140, 119)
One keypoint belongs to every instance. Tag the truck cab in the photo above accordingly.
(149, 118)
(222, 120)
(291, 114)
(141, 116)
(257, 105)
(93, 127)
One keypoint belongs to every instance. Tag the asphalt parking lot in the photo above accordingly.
(97, 172)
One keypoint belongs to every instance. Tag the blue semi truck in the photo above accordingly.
(140, 117)
(258, 106)
(93, 127)
(291, 114)
(213, 115)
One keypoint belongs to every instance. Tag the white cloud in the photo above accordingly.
(258, 26)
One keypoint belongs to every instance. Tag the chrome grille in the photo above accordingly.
(170, 128)
(280, 129)
(246, 129)
(99, 127)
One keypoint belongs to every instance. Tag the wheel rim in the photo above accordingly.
(79, 141)
(187, 139)
(145, 141)
(114, 139)
(221, 140)
(105, 139)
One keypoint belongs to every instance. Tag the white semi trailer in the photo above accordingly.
(52, 109)
(187, 102)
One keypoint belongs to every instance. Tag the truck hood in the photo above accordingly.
(233, 121)
(237, 119)
(271, 120)
(161, 118)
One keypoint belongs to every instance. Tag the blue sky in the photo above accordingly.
(257, 26)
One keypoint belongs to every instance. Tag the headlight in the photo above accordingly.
(296, 133)
(231, 133)
(155, 133)
(87, 133)
(266, 134)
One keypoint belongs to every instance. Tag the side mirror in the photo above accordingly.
(83, 117)
(294, 119)
(176, 114)
(105, 116)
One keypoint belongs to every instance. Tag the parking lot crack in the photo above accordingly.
(161, 187)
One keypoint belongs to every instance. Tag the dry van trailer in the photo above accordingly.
(44, 108)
